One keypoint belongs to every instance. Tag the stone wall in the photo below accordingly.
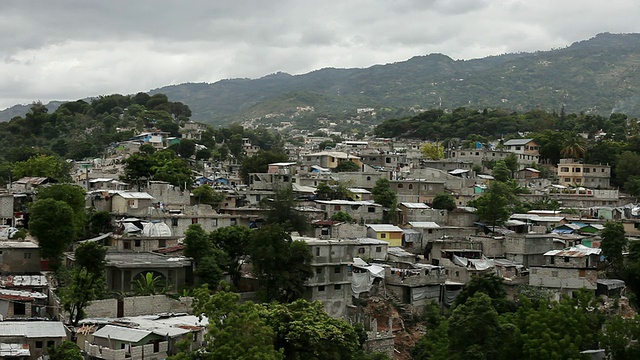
(139, 305)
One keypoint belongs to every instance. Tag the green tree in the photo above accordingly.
(444, 202)
(614, 243)
(138, 167)
(170, 168)
(43, 166)
(234, 241)
(341, 216)
(209, 259)
(627, 168)
(186, 148)
(243, 334)
(86, 281)
(488, 284)
(433, 151)
(72, 195)
(49, 221)
(281, 211)
(474, 329)
(501, 172)
(149, 283)
(574, 146)
(303, 330)
(68, 350)
(347, 166)
(259, 163)
(205, 194)
(621, 338)
(511, 162)
(100, 222)
(280, 264)
(493, 206)
(385, 196)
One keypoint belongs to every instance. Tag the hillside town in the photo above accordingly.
(392, 226)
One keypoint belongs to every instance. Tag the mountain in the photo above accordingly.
(598, 75)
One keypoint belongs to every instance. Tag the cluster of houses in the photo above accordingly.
(427, 256)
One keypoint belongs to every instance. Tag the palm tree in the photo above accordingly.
(148, 284)
(574, 147)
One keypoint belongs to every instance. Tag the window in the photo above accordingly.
(371, 209)
(194, 220)
(50, 343)
(477, 153)
(258, 197)
(318, 270)
(410, 186)
(430, 231)
(361, 250)
(383, 236)
(378, 248)
(587, 170)
(337, 208)
(577, 169)
(388, 160)
(137, 243)
(582, 273)
(552, 260)
(337, 287)
(317, 251)
(325, 231)
(126, 245)
(368, 178)
(233, 221)
(38, 344)
(566, 259)
(162, 243)
(27, 255)
(336, 270)
(567, 180)
(518, 147)
(564, 169)
(400, 186)
(174, 221)
(321, 288)
(214, 222)
(20, 309)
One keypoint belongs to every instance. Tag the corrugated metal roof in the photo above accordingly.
(14, 350)
(32, 329)
(121, 333)
(424, 224)
(384, 228)
(410, 205)
(516, 142)
(575, 251)
(135, 195)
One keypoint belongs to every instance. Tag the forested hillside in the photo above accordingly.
(599, 75)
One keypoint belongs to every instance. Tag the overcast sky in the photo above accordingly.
(66, 49)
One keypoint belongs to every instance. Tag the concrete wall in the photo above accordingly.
(563, 278)
(17, 260)
(140, 305)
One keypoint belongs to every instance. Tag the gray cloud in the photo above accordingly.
(68, 49)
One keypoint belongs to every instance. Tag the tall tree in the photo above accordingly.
(49, 222)
(493, 206)
(474, 329)
(86, 281)
(282, 212)
(280, 264)
(305, 331)
(614, 243)
(234, 241)
(239, 333)
(444, 201)
(72, 195)
(43, 166)
(385, 196)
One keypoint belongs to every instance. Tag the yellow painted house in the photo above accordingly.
(386, 232)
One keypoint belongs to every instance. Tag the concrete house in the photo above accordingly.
(567, 270)
(386, 232)
(131, 203)
(29, 339)
(572, 172)
(358, 210)
(330, 159)
(19, 257)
